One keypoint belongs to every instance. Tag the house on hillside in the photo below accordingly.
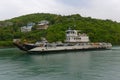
(30, 24)
(0, 25)
(9, 23)
(5, 24)
(44, 24)
(27, 28)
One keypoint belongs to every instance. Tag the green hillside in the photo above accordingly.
(97, 29)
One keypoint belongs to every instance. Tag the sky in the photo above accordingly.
(101, 9)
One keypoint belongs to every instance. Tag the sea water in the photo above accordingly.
(80, 65)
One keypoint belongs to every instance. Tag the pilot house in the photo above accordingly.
(74, 36)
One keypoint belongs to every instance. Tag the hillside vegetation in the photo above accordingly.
(97, 29)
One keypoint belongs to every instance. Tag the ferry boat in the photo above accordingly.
(74, 41)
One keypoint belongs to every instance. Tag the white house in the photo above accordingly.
(27, 28)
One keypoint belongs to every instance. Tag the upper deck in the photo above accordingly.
(75, 36)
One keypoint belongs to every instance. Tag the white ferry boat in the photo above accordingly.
(74, 41)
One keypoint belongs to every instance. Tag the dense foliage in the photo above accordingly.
(98, 30)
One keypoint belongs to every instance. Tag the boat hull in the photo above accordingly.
(58, 51)
(37, 49)
(66, 49)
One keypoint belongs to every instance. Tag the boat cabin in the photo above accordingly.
(74, 36)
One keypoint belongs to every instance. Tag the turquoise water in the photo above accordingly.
(86, 65)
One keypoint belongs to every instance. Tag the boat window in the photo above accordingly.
(67, 32)
(79, 38)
